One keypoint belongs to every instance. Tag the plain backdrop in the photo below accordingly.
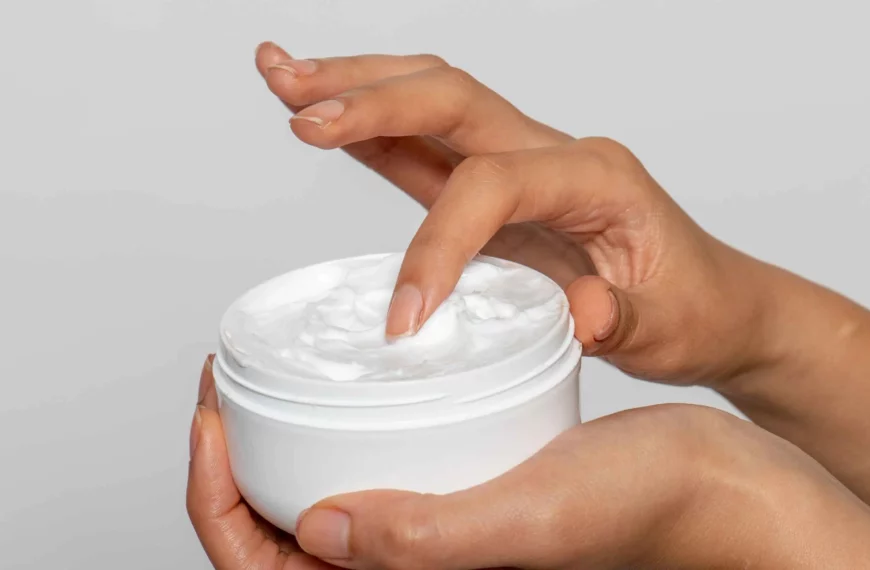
(147, 178)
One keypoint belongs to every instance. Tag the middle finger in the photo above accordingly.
(439, 101)
(303, 82)
(418, 165)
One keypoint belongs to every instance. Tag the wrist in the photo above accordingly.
(715, 499)
(810, 519)
(759, 499)
(719, 508)
(798, 328)
(786, 513)
(741, 319)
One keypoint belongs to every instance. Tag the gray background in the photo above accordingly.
(147, 177)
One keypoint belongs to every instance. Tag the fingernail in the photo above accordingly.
(321, 114)
(403, 317)
(206, 368)
(299, 519)
(605, 331)
(296, 67)
(325, 533)
(195, 426)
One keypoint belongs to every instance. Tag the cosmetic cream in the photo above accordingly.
(315, 401)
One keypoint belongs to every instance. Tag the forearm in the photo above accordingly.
(814, 388)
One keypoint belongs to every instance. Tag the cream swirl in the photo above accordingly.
(327, 321)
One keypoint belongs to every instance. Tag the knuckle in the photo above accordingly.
(462, 84)
(614, 165)
(432, 60)
(607, 144)
(484, 167)
(460, 78)
(490, 175)
(410, 539)
(459, 87)
(610, 154)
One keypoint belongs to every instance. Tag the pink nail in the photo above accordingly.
(321, 114)
(325, 533)
(203, 385)
(195, 427)
(607, 329)
(403, 318)
(296, 67)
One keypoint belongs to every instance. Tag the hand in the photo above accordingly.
(234, 536)
(649, 289)
(670, 486)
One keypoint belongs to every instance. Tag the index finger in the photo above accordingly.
(569, 188)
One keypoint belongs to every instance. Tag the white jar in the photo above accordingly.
(295, 438)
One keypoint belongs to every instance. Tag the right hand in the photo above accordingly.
(662, 487)
(649, 289)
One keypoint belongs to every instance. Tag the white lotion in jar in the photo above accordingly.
(315, 401)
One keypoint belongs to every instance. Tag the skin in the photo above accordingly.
(673, 486)
(651, 292)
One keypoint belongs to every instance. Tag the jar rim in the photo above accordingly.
(462, 386)
(398, 416)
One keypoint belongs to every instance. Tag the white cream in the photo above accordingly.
(327, 321)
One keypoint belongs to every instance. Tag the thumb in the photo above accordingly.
(593, 496)
(605, 316)
(491, 526)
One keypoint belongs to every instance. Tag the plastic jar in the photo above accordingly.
(294, 440)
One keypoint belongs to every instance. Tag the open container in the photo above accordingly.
(294, 440)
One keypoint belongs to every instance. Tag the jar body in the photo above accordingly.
(282, 467)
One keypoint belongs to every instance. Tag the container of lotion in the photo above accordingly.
(315, 402)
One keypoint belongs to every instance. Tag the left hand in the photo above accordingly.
(405, 149)
(234, 536)
(669, 486)
(663, 300)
